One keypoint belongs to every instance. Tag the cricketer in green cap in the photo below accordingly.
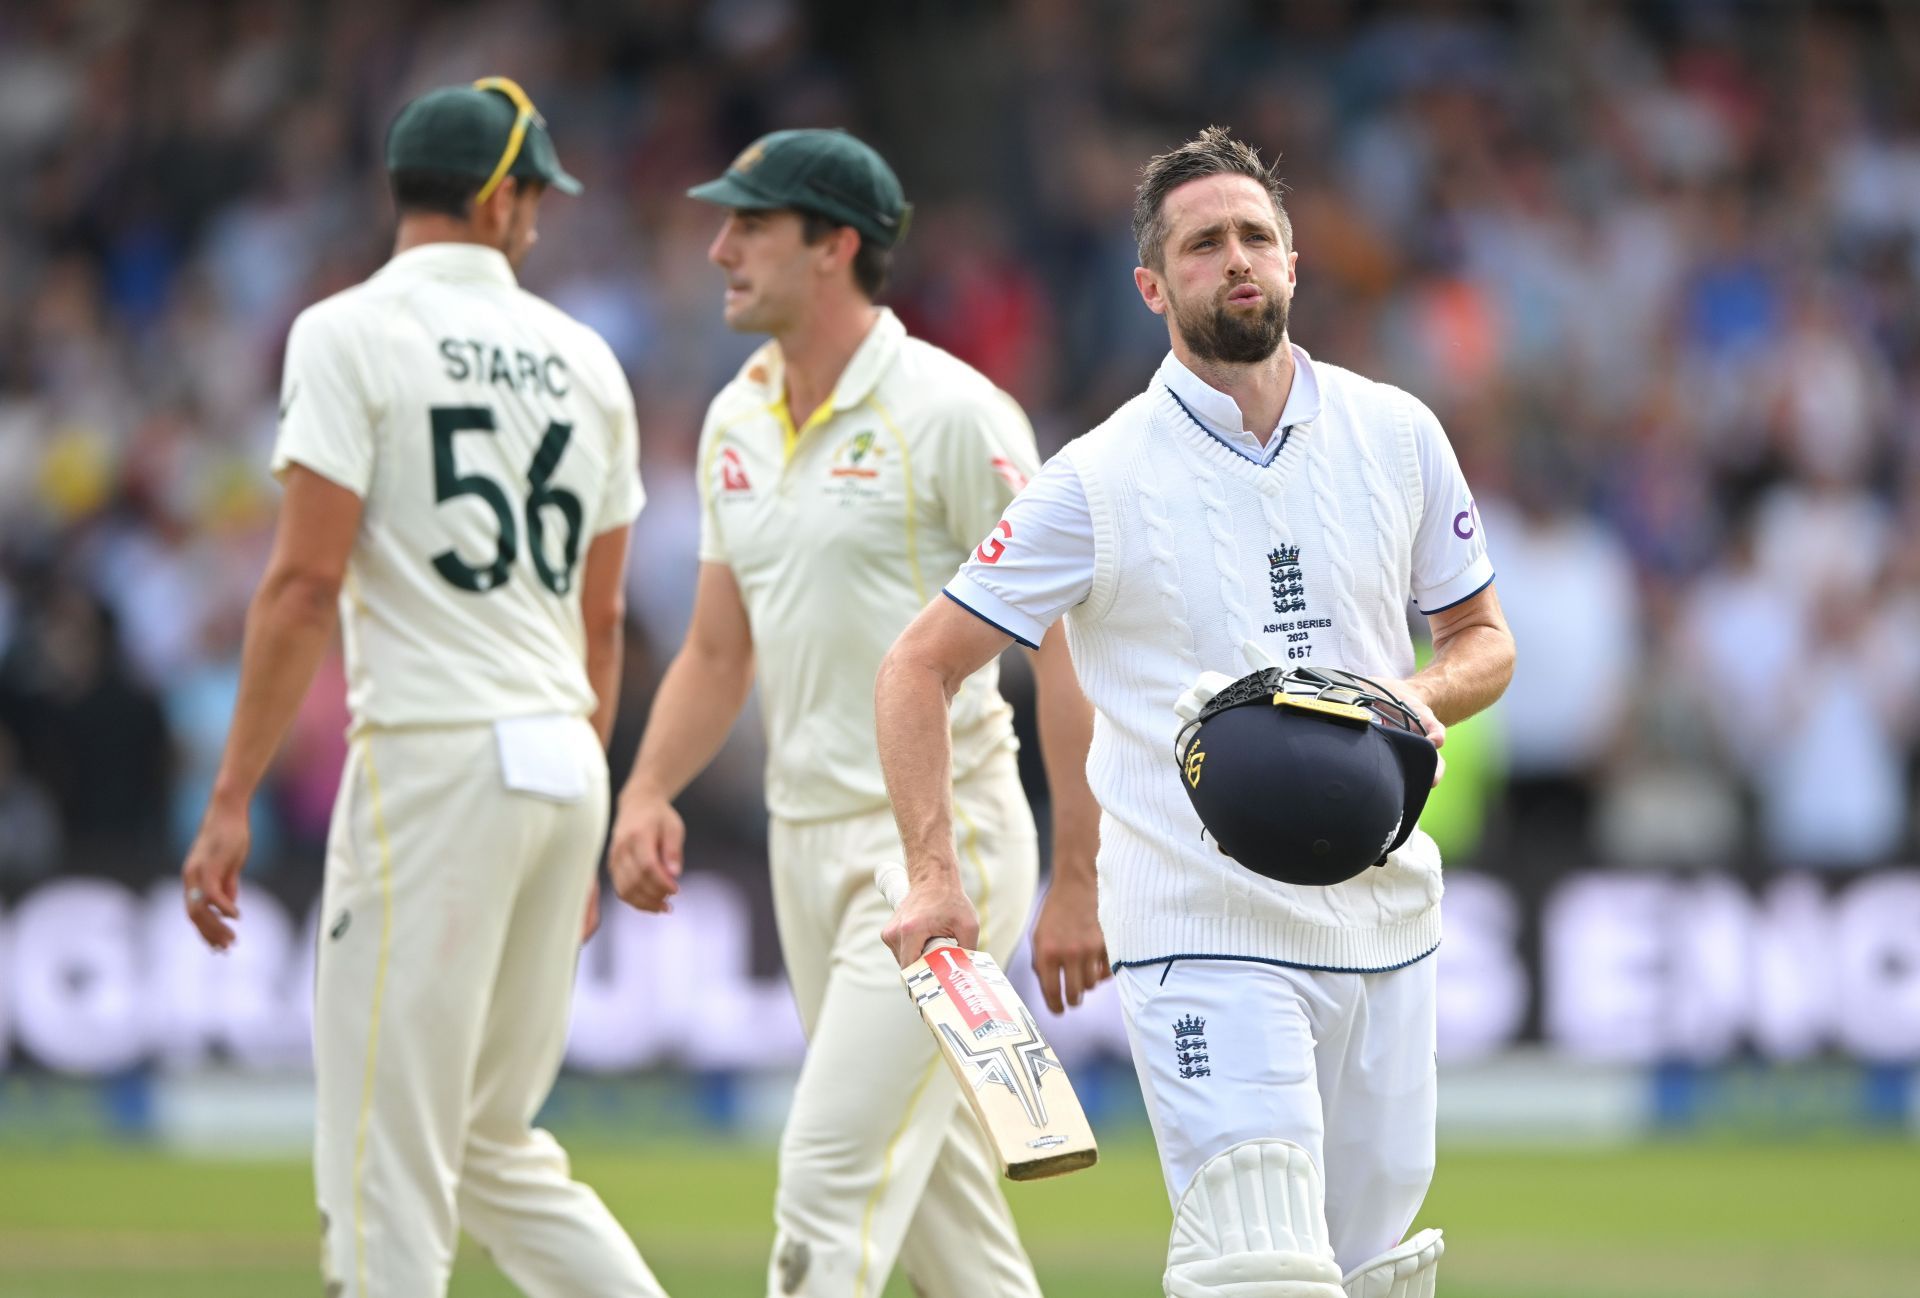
(486, 132)
(449, 154)
(825, 172)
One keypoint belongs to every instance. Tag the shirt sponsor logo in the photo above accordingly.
(1467, 522)
(855, 457)
(1010, 473)
(733, 473)
(990, 550)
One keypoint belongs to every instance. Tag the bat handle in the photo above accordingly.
(891, 880)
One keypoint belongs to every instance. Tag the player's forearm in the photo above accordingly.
(1066, 732)
(912, 717)
(288, 626)
(698, 701)
(1469, 671)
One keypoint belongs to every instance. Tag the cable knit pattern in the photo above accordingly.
(1382, 491)
(1165, 564)
(1233, 589)
(1188, 527)
(1327, 503)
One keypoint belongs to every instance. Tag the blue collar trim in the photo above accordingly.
(1273, 452)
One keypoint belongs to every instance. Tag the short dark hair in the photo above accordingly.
(872, 265)
(1213, 152)
(444, 193)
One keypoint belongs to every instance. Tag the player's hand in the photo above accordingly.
(210, 879)
(1069, 950)
(937, 908)
(648, 836)
(1409, 693)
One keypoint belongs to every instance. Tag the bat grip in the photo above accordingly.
(891, 880)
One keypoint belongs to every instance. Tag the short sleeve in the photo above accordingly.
(986, 455)
(327, 411)
(1450, 561)
(712, 548)
(624, 496)
(1036, 561)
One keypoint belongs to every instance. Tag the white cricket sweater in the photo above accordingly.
(1196, 549)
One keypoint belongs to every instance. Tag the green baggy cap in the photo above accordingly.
(470, 130)
(829, 172)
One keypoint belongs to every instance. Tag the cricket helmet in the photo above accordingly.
(1306, 775)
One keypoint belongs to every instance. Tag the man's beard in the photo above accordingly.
(1222, 337)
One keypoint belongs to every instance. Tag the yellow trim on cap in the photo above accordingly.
(526, 116)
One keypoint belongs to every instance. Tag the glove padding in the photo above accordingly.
(1201, 692)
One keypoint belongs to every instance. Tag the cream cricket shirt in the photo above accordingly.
(839, 531)
(491, 438)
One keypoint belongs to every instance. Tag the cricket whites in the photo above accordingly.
(1008, 1072)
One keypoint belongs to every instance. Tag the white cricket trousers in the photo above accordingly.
(1342, 1064)
(449, 935)
(881, 1156)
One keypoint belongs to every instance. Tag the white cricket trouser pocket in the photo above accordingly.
(1340, 1064)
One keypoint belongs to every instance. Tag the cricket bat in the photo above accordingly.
(1006, 1069)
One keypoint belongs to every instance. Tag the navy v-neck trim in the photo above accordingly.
(1201, 424)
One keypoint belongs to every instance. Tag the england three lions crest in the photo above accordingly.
(1190, 1046)
(1285, 582)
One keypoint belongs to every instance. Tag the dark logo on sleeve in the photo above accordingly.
(1190, 1046)
(1285, 580)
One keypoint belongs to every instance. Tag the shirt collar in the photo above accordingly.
(862, 374)
(1220, 414)
(451, 261)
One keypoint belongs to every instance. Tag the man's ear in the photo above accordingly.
(1152, 291)
(496, 213)
(842, 246)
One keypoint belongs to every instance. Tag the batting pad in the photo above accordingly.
(1253, 1224)
(1408, 1271)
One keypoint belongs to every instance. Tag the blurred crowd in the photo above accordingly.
(1655, 266)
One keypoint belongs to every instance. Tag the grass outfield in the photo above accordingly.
(1692, 1220)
